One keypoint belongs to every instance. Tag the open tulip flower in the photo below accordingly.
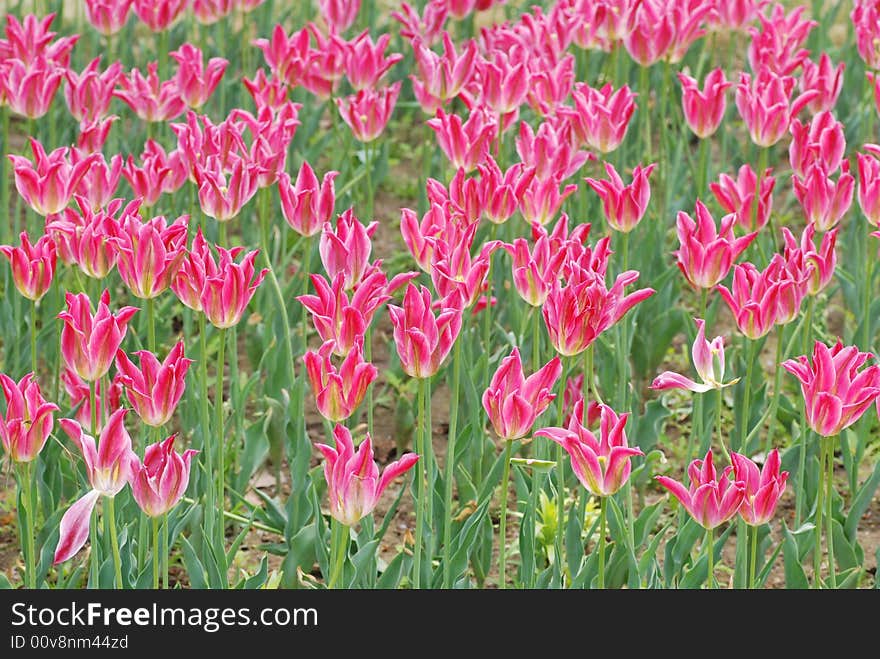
(154, 389)
(423, 339)
(33, 266)
(339, 391)
(708, 358)
(158, 483)
(624, 205)
(48, 183)
(764, 486)
(27, 423)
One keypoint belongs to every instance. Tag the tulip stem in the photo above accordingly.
(866, 317)
(219, 431)
(719, 406)
(603, 511)
(820, 508)
(4, 170)
(623, 351)
(368, 167)
(206, 434)
(28, 536)
(801, 491)
(502, 526)
(34, 337)
(777, 386)
(450, 463)
(753, 563)
(703, 166)
(306, 267)
(339, 538)
(536, 338)
(151, 324)
(114, 540)
(156, 553)
(710, 557)
(747, 393)
(645, 94)
(829, 517)
(166, 551)
(93, 401)
(420, 490)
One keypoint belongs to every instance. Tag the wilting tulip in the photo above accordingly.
(706, 254)
(158, 483)
(514, 401)
(338, 392)
(601, 464)
(600, 117)
(836, 393)
(33, 266)
(154, 389)
(347, 248)
(108, 16)
(704, 109)
(708, 358)
(737, 196)
(711, 499)
(195, 81)
(27, 423)
(48, 183)
(624, 205)
(765, 104)
(764, 486)
(89, 342)
(89, 94)
(353, 481)
(150, 253)
(307, 205)
(368, 111)
(158, 15)
(424, 340)
(80, 394)
(108, 467)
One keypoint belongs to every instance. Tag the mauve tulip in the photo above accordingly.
(836, 393)
(353, 482)
(514, 401)
(765, 104)
(80, 394)
(825, 78)
(424, 340)
(368, 111)
(704, 109)
(158, 15)
(707, 253)
(624, 205)
(158, 483)
(89, 342)
(764, 486)
(108, 466)
(600, 117)
(869, 186)
(195, 81)
(307, 205)
(48, 183)
(347, 248)
(33, 266)
(108, 16)
(737, 196)
(89, 94)
(27, 423)
(154, 389)
(601, 464)
(711, 500)
(708, 359)
(339, 391)
(150, 98)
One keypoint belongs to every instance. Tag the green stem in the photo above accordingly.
(430, 469)
(820, 509)
(114, 541)
(450, 463)
(368, 166)
(868, 297)
(502, 541)
(801, 490)
(34, 338)
(4, 170)
(339, 548)
(623, 352)
(777, 387)
(156, 553)
(28, 539)
(221, 438)
(208, 450)
(747, 393)
(166, 551)
(703, 167)
(162, 53)
(829, 517)
(753, 563)
(710, 557)
(645, 96)
(94, 551)
(560, 473)
(602, 521)
(536, 339)
(718, 428)
(151, 324)
(306, 268)
(420, 490)
(368, 357)
(93, 401)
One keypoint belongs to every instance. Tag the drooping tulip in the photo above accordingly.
(708, 359)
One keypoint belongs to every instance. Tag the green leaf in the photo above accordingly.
(860, 503)
(4, 582)
(362, 560)
(794, 571)
(194, 567)
(300, 554)
(392, 575)
(845, 554)
(259, 579)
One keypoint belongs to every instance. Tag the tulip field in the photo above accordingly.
(439, 294)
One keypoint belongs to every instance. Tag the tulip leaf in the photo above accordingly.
(678, 550)
(300, 554)
(392, 574)
(362, 561)
(194, 567)
(794, 571)
(464, 540)
(259, 579)
(860, 503)
(846, 554)
(4, 582)
(699, 574)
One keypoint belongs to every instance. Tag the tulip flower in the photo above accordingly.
(266, 92)
(600, 117)
(708, 358)
(89, 342)
(347, 248)
(158, 483)
(836, 392)
(549, 153)
(27, 423)
(108, 16)
(227, 286)
(353, 481)
(650, 33)
(737, 14)
(818, 263)
(776, 47)
(338, 392)
(765, 104)
(33, 266)
(108, 466)
(455, 270)
(504, 84)
(823, 200)
(825, 78)
(754, 300)
(368, 111)
(158, 15)
(30, 89)
(466, 145)
(223, 194)
(540, 201)
(501, 189)
(514, 401)
(93, 134)
(154, 389)
(428, 27)
(869, 184)
(150, 98)
(99, 184)
(48, 183)
(31, 39)
(150, 253)
(711, 499)
(549, 88)
(624, 205)
(195, 81)
(764, 486)
(737, 196)
(704, 109)
(307, 205)
(535, 270)
(424, 340)
(821, 140)
(80, 395)
(601, 464)
(89, 94)
(160, 173)
(367, 64)
(866, 24)
(441, 77)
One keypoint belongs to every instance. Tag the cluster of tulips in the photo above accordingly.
(514, 107)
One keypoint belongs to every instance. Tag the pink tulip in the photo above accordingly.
(160, 173)
(307, 205)
(737, 196)
(420, 235)
(29, 90)
(159, 482)
(764, 487)
(549, 88)
(339, 391)
(48, 183)
(836, 392)
(753, 301)
(428, 27)
(865, 18)
(765, 106)
(540, 201)
(93, 134)
(464, 198)
(706, 254)
(708, 359)
(869, 186)
(624, 205)
(195, 81)
(571, 396)
(504, 83)
(353, 482)
(222, 194)
(228, 286)
(536, 270)
(98, 186)
(346, 249)
(108, 466)
(550, 152)
(108, 16)
(441, 77)
(247, 6)
(339, 14)
(790, 279)
(576, 313)
(154, 389)
(513, 402)
(80, 395)
(823, 201)
(821, 140)
(149, 98)
(89, 94)
(266, 92)
(776, 47)
(737, 14)
(600, 117)
(31, 40)
(424, 340)
(819, 263)
(271, 133)
(367, 64)
(288, 57)
(602, 23)
(454, 270)
(33, 266)
(208, 12)
(501, 189)
(89, 342)
(704, 109)
(651, 32)
(602, 464)
(825, 78)
(368, 111)
(711, 499)
(150, 253)
(27, 423)
(158, 15)
(88, 238)
(197, 263)
(466, 145)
